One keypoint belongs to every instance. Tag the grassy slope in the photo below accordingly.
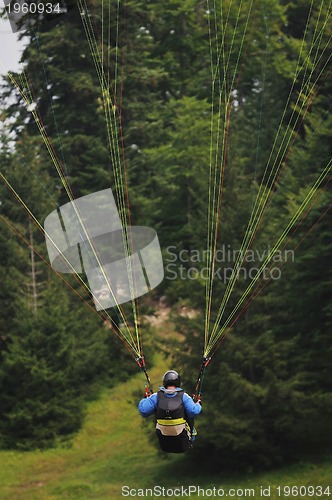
(112, 450)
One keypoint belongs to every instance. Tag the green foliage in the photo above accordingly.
(34, 387)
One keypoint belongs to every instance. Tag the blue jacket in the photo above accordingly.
(147, 406)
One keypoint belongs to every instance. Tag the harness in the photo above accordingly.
(170, 410)
(174, 429)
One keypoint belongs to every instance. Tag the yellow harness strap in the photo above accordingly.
(176, 421)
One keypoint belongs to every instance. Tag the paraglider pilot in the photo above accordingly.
(175, 411)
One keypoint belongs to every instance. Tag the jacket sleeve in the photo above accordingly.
(147, 406)
(191, 408)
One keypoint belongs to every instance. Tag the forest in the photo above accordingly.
(210, 121)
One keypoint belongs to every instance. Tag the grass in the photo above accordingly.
(112, 450)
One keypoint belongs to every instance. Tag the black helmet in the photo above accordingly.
(171, 377)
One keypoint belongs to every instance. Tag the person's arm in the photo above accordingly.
(192, 409)
(147, 406)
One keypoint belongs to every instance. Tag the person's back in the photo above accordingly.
(175, 411)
